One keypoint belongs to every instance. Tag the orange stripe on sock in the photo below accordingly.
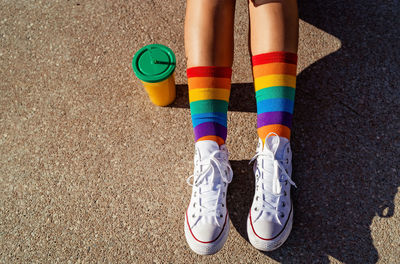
(281, 130)
(274, 68)
(209, 82)
(217, 139)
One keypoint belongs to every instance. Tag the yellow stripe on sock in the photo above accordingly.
(274, 80)
(208, 94)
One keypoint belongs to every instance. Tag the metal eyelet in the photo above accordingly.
(282, 215)
(283, 204)
(285, 193)
(223, 205)
(256, 198)
(193, 215)
(221, 215)
(194, 205)
(255, 209)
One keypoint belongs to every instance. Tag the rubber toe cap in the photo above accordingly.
(205, 232)
(266, 229)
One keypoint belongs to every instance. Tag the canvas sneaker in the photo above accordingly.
(206, 218)
(271, 214)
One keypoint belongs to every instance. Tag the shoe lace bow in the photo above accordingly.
(268, 199)
(208, 193)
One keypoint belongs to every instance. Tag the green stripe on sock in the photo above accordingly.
(275, 92)
(208, 106)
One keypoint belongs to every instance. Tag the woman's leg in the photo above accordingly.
(209, 32)
(274, 26)
(209, 51)
(273, 37)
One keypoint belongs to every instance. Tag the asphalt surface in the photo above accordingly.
(91, 171)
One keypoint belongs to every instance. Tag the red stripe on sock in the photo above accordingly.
(277, 56)
(209, 71)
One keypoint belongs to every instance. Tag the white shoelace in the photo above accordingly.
(208, 196)
(268, 199)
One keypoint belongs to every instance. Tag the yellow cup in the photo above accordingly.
(162, 93)
(154, 65)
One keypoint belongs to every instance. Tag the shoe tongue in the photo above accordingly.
(206, 147)
(277, 145)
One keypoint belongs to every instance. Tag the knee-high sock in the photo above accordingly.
(209, 91)
(275, 82)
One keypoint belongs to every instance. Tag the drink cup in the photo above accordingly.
(154, 65)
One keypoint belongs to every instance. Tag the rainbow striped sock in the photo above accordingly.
(209, 90)
(275, 82)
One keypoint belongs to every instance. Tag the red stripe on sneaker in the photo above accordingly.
(251, 223)
(187, 222)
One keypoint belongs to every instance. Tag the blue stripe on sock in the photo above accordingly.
(274, 105)
(216, 117)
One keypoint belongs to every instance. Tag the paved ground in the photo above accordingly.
(91, 171)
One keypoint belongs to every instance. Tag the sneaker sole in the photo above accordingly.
(269, 244)
(207, 248)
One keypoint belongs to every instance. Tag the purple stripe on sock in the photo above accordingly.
(270, 118)
(210, 128)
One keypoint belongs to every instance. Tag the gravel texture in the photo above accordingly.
(91, 171)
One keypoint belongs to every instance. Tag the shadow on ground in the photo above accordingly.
(238, 102)
(345, 137)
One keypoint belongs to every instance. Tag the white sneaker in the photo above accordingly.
(271, 215)
(206, 218)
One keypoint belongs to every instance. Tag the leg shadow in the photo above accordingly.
(346, 165)
(240, 194)
(345, 138)
(239, 100)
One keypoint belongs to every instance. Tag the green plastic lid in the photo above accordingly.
(154, 63)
